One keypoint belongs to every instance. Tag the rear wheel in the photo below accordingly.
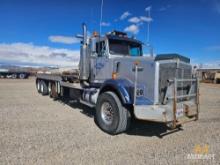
(53, 91)
(14, 76)
(111, 116)
(49, 89)
(22, 76)
(38, 85)
(2, 76)
(43, 88)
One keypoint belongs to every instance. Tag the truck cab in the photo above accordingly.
(108, 53)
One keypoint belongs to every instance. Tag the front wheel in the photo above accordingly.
(111, 116)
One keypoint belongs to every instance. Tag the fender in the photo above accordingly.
(122, 87)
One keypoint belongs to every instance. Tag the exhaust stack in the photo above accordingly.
(84, 56)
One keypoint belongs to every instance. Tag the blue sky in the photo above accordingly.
(37, 31)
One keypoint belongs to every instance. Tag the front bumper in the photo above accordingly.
(177, 106)
(166, 113)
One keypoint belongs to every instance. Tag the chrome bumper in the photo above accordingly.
(164, 113)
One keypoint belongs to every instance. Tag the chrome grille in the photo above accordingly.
(169, 71)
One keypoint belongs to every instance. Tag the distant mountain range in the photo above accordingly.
(30, 68)
(24, 65)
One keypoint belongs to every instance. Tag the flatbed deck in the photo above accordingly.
(61, 79)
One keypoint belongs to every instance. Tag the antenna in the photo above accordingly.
(148, 10)
(148, 20)
(100, 24)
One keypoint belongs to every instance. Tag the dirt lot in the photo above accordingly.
(34, 129)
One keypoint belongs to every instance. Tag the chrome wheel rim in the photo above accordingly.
(42, 88)
(21, 76)
(49, 87)
(107, 113)
(14, 76)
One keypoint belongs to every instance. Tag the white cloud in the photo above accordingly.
(140, 19)
(132, 29)
(105, 24)
(164, 8)
(42, 55)
(210, 64)
(214, 48)
(146, 19)
(134, 20)
(125, 15)
(148, 8)
(217, 6)
(64, 39)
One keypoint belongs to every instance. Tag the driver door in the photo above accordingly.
(101, 63)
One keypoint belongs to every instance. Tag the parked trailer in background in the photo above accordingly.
(7, 73)
(120, 83)
(209, 75)
(217, 78)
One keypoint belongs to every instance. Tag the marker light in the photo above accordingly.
(136, 62)
(114, 75)
(95, 34)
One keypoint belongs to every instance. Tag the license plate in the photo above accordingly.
(179, 112)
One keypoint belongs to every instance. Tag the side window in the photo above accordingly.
(100, 48)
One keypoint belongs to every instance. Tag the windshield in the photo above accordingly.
(126, 48)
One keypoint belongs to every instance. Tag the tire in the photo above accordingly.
(14, 76)
(38, 84)
(53, 93)
(111, 116)
(43, 88)
(49, 89)
(2, 76)
(22, 76)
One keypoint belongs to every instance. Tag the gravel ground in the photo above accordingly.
(34, 129)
